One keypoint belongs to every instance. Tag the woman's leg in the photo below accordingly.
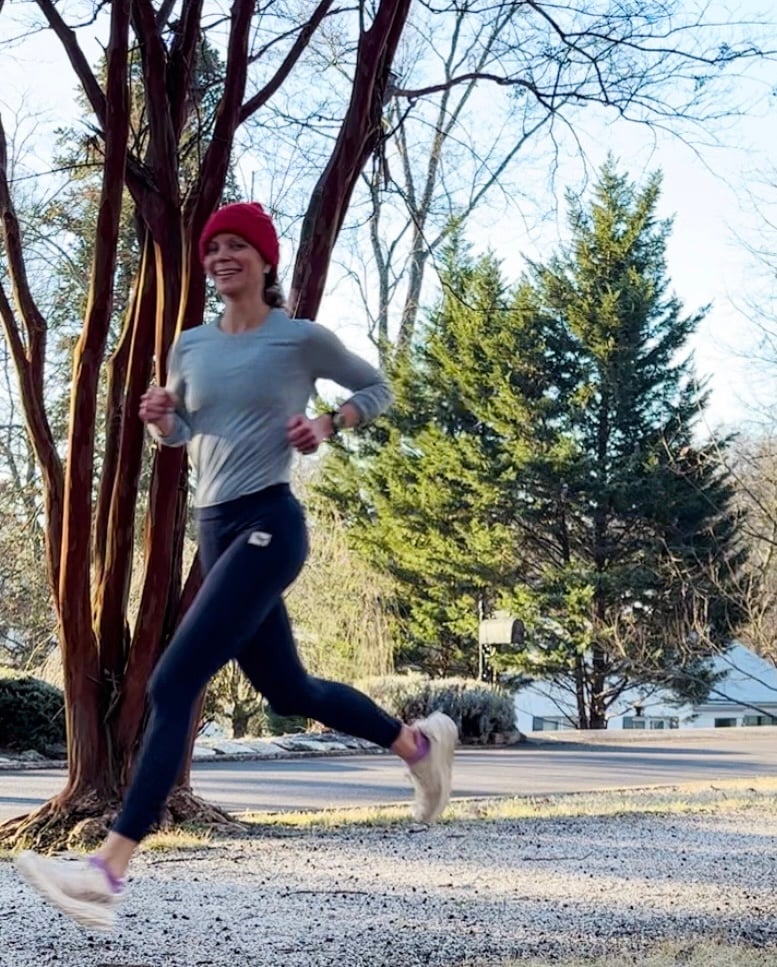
(236, 596)
(272, 664)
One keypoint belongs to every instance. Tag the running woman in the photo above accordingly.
(236, 396)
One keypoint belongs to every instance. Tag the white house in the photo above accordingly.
(746, 696)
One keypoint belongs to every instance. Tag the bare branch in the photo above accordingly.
(414, 94)
(76, 56)
(210, 184)
(182, 61)
(162, 141)
(163, 14)
(75, 600)
(300, 44)
(281, 37)
(12, 334)
(359, 134)
(30, 362)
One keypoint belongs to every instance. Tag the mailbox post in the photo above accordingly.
(504, 630)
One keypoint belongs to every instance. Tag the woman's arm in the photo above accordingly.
(164, 410)
(371, 393)
(329, 359)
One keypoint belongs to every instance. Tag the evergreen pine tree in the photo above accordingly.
(542, 457)
(637, 527)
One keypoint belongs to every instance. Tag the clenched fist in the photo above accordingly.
(307, 435)
(157, 406)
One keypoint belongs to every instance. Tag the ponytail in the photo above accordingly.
(273, 293)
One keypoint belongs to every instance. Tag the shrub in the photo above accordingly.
(283, 724)
(32, 714)
(479, 710)
(234, 705)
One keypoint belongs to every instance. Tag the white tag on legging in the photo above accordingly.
(260, 538)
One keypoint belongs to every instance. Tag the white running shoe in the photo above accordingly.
(431, 775)
(78, 888)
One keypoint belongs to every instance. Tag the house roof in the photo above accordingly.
(750, 682)
(749, 679)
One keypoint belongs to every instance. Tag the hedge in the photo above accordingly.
(479, 710)
(32, 714)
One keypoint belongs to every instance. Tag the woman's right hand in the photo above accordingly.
(157, 406)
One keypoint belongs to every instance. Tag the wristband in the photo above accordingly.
(338, 422)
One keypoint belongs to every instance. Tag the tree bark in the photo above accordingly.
(359, 136)
(88, 750)
(115, 523)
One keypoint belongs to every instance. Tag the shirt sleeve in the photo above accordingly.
(330, 359)
(181, 432)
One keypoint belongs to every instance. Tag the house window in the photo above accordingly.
(544, 723)
(725, 723)
(650, 722)
(759, 720)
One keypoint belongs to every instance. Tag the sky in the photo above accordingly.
(718, 203)
(719, 196)
(719, 187)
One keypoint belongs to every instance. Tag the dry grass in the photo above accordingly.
(686, 953)
(164, 841)
(690, 798)
(724, 796)
(179, 838)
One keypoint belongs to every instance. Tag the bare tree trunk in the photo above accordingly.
(115, 520)
(87, 746)
(597, 714)
(189, 592)
(583, 721)
(359, 136)
(420, 196)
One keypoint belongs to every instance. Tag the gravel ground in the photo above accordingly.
(480, 894)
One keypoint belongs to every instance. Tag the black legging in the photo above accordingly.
(251, 549)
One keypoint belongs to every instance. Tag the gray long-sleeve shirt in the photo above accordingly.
(238, 391)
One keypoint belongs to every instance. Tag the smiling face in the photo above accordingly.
(235, 266)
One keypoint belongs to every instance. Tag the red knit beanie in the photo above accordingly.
(248, 220)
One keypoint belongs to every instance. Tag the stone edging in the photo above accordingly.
(309, 745)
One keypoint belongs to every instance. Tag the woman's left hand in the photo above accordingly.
(307, 435)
